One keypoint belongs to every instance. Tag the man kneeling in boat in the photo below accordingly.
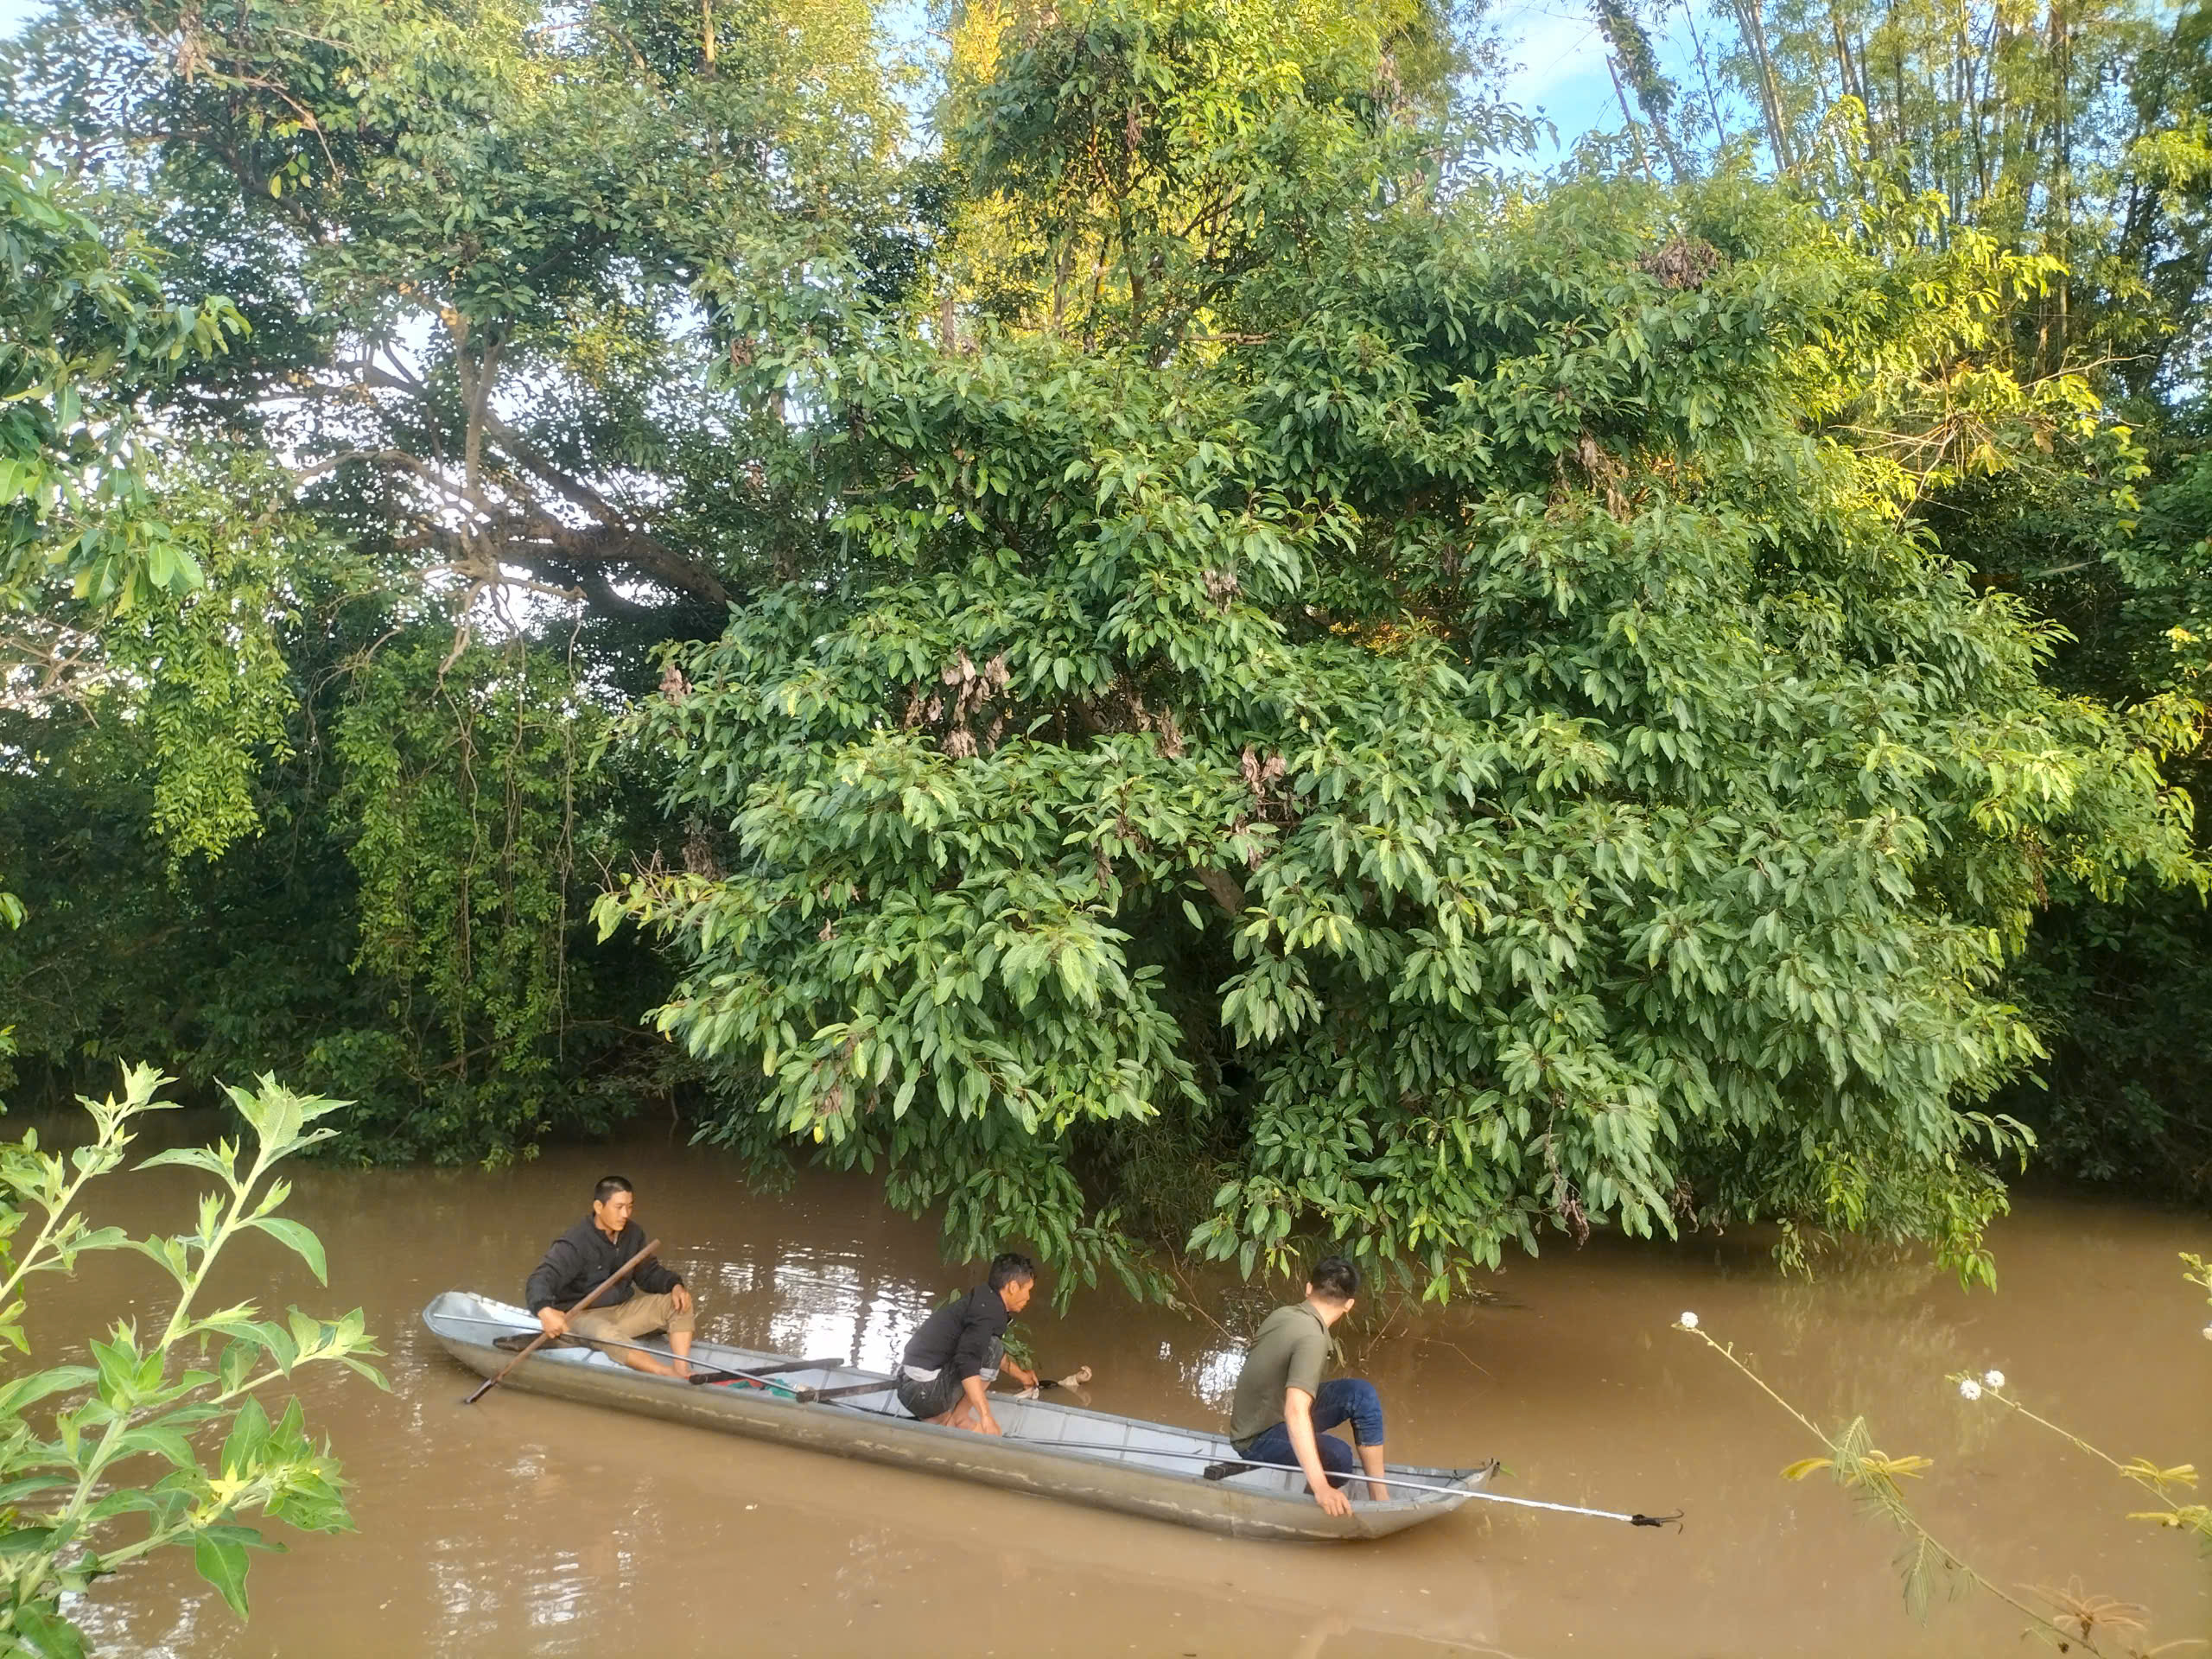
(946, 1372)
(583, 1258)
(1283, 1410)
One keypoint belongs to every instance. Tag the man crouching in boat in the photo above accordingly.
(946, 1372)
(583, 1258)
(1282, 1409)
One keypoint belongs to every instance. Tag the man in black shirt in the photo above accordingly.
(584, 1258)
(946, 1372)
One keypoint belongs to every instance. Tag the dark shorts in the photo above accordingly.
(942, 1392)
(931, 1399)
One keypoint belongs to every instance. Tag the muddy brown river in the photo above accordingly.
(525, 1526)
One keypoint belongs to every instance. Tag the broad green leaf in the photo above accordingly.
(45, 1634)
(222, 1562)
(298, 1238)
(192, 1158)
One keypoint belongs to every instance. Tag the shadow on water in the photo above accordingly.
(525, 1525)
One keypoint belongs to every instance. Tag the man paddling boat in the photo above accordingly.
(949, 1365)
(584, 1258)
(1282, 1410)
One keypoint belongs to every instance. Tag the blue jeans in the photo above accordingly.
(1342, 1400)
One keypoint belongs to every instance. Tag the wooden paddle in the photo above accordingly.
(544, 1337)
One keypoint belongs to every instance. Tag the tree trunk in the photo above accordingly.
(1635, 136)
(1777, 138)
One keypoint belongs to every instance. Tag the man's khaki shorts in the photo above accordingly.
(640, 1316)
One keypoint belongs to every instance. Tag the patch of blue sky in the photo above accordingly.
(1559, 70)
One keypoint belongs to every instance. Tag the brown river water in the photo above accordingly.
(526, 1526)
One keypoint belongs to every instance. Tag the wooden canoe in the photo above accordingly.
(1063, 1451)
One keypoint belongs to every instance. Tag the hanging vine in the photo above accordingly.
(462, 779)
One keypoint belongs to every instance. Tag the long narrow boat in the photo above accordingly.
(1058, 1451)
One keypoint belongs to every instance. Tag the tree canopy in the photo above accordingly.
(1165, 653)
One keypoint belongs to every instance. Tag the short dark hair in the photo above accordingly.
(1334, 1279)
(1011, 1268)
(609, 1185)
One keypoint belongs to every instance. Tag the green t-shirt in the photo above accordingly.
(1290, 1351)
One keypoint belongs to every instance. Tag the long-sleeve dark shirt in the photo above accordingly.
(960, 1334)
(583, 1258)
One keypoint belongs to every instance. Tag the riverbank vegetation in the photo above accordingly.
(1116, 619)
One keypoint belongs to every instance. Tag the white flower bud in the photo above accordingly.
(1994, 1379)
(1688, 1322)
(2207, 1333)
(1969, 1389)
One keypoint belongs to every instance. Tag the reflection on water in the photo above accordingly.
(1211, 1376)
(527, 1526)
(824, 1307)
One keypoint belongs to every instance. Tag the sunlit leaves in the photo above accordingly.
(83, 326)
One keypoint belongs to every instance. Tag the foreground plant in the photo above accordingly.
(2080, 1620)
(2168, 1484)
(132, 1434)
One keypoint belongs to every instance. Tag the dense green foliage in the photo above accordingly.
(1470, 685)
(82, 325)
(2078, 135)
(289, 818)
(409, 922)
(1170, 659)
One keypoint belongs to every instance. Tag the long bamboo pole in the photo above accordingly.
(544, 1337)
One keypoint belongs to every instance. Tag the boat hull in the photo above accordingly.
(1022, 1460)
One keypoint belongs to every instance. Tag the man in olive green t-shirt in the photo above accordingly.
(1282, 1409)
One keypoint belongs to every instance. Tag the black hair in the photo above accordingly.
(1011, 1268)
(609, 1185)
(1334, 1279)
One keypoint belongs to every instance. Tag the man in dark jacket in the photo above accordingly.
(946, 1375)
(584, 1258)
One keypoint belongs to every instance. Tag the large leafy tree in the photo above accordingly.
(1402, 730)
(465, 237)
(462, 395)
(1280, 689)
